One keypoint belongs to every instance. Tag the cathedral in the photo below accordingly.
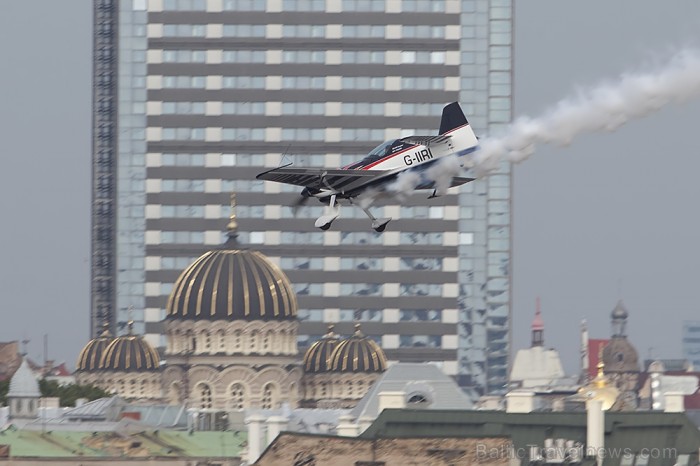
(231, 330)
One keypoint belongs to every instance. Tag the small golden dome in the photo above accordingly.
(232, 284)
(318, 356)
(358, 354)
(600, 389)
(130, 353)
(91, 355)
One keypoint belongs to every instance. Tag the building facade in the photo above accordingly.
(691, 343)
(212, 92)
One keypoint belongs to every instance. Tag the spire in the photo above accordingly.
(232, 226)
(330, 333)
(358, 331)
(130, 326)
(537, 326)
(105, 330)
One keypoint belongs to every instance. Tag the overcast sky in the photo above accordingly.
(611, 216)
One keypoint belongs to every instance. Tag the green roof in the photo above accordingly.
(670, 434)
(163, 443)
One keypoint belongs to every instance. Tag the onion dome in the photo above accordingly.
(130, 353)
(91, 355)
(620, 311)
(318, 356)
(358, 354)
(24, 384)
(232, 283)
(600, 389)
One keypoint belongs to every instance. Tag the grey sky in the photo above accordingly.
(612, 216)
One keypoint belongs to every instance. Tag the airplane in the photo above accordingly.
(382, 167)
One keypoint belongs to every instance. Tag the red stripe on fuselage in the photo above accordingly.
(385, 158)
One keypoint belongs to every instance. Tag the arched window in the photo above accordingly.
(222, 341)
(207, 342)
(237, 344)
(269, 396)
(204, 395)
(254, 341)
(174, 393)
(266, 343)
(237, 393)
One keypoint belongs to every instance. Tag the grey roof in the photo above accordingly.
(424, 379)
(101, 409)
(304, 420)
(24, 383)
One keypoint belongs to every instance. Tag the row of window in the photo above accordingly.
(304, 56)
(295, 5)
(374, 315)
(302, 30)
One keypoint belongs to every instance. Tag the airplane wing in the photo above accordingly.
(320, 178)
(427, 140)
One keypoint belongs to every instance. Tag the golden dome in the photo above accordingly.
(130, 353)
(91, 355)
(600, 389)
(318, 356)
(232, 283)
(358, 354)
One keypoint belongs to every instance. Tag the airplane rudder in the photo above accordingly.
(452, 118)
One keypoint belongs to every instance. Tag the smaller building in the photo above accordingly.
(23, 396)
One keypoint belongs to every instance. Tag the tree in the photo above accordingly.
(68, 394)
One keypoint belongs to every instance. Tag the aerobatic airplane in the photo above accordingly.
(381, 167)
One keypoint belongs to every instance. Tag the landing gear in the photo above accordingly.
(324, 221)
(379, 224)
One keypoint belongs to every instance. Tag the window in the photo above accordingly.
(303, 108)
(423, 32)
(363, 56)
(363, 31)
(301, 263)
(243, 134)
(243, 30)
(244, 5)
(362, 315)
(421, 238)
(303, 56)
(361, 263)
(269, 396)
(304, 5)
(419, 315)
(182, 211)
(362, 82)
(303, 134)
(423, 6)
(183, 134)
(184, 30)
(243, 56)
(417, 341)
(237, 394)
(184, 82)
(183, 108)
(243, 82)
(304, 30)
(189, 186)
(181, 237)
(420, 263)
(420, 289)
(303, 82)
(185, 5)
(242, 160)
(183, 160)
(315, 315)
(466, 238)
(362, 108)
(363, 5)
(362, 134)
(184, 56)
(204, 395)
(361, 289)
(243, 108)
(423, 83)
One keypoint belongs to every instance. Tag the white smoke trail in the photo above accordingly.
(603, 108)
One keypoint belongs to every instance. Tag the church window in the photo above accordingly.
(237, 396)
(254, 341)
(205, 397)
(207, 341)
(222, 341)
(266, 343)
(269, 398)
(237, 341)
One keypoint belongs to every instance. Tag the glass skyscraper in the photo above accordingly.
(208, 93)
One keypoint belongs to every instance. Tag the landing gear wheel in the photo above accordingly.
(380, 224)
(325, 227)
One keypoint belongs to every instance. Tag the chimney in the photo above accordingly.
(595, 431)
(275, 425)
(391, 400)
(255, 431)
(520, 402)
(674, 402)
(346, 426)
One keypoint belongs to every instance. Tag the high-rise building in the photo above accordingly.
(208, 93)
(691, 343)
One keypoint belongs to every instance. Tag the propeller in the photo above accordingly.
(301, 200)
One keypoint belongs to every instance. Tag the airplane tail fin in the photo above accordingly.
(456, 125)
(452, 118)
